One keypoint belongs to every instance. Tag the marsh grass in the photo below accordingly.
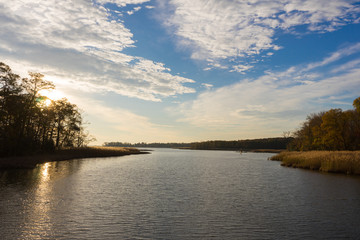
(66, 154)
(90, 152)
(326, 161)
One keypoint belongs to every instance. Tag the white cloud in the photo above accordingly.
(273, 103)
(207, 85)
(77, 25)
(134, 10)
(122, 3)
(241, 68)
(336, 56)
(229, 29)
(214, 64)
(79, 40)
(347, 66)
(117, 124)
(145, 80)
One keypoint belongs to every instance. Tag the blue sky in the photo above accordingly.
(182, 71)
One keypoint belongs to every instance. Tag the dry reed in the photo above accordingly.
(326, 161)
(66, 154)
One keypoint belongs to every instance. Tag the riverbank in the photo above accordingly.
(347, 162)
(267, 150)
(237, 150)
(66, 154)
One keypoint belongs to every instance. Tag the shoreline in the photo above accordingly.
(21, 162)
(344, 162)
(236, 150)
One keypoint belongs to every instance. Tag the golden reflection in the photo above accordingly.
(45, 170)
(39, 225)
(45, 199)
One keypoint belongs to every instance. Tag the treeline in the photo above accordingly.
(264, 143)
(331, 130)
(32, 123)
(149, 145)
(244, 145)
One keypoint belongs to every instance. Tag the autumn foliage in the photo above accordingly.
(331, 130)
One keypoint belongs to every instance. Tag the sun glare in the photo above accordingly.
(51, 95)
(47, 102)
(45, 170)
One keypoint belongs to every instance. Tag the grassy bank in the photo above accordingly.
(325, 161)
(66, 154)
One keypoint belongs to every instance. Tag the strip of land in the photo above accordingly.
(238, 150)
(66, 154)
(347, 162)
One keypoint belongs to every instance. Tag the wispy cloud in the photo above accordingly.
(134, 10)
(241, 68)
(118, 124)
(207, 85)
(82, 40)
(336, 56)
(77, 25)
(219, 30)
(347, 66)
(122, 3)
(272, 103)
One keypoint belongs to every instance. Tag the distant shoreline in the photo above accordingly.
(347, 162)
(237, 150)
(66, 154)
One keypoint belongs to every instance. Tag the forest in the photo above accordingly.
(329, 130)
(264, 143)
(244, 145)
(149, 145)
(31, 123)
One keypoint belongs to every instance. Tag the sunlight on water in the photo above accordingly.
(45, 171)
(39, 221)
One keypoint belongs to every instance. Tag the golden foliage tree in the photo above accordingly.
(331, 130)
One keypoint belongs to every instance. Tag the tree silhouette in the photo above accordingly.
(28, 124)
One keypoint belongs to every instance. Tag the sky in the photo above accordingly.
(184, 71)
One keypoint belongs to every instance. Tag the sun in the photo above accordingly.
(51, 95)
(47, 102)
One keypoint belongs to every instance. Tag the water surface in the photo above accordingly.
(177, 194)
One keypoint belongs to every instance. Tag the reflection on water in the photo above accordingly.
(45, 170)
(172, 194)
(30, 198)
(38, 224)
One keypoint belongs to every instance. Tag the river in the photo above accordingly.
(177, 194)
